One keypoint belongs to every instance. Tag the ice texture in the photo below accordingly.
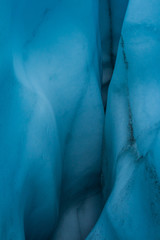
(79, 120)
(131, 166)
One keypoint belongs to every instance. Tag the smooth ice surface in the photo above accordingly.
(79, 122)
(51, 119)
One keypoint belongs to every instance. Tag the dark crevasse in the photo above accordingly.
(112, 14)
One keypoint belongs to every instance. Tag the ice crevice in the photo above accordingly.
(79, 120)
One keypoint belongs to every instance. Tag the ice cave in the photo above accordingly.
(79, 120)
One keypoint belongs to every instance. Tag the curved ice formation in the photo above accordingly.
(79, 161)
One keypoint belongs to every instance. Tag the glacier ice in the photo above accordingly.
(79, 120)
(131, 155)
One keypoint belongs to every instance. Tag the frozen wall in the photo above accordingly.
(79, 161)
(51, 119)
(131, 164)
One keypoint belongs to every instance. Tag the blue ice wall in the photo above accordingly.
(51, 118)
(131, 164)
(79, 122)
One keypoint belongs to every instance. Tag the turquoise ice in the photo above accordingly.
(131, 166)
(79, 120)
